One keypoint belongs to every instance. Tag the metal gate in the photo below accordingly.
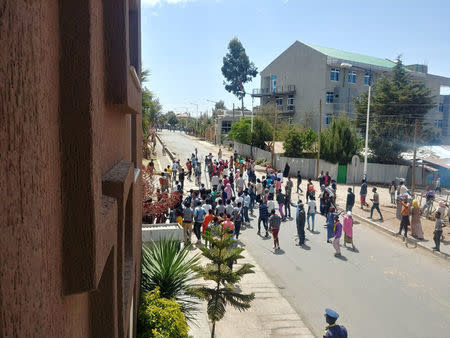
(342, 174)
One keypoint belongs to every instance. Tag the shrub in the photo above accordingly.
(160, 317)
(293, 145)
(170, 269)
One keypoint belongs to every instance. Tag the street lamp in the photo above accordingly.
(366, 148)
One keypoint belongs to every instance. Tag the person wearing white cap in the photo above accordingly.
(348, 230)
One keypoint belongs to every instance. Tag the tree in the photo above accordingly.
(397, 101)
(151, 108)
(172, 118)
(309, 138)
(339, 142)
(262, 131)
(220, 105)
(222, 291)
(237, 70)
(293, 145)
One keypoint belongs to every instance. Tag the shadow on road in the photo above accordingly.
(342, 258)
(278, 252)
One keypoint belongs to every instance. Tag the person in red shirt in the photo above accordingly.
(206, 221)
(189, 169)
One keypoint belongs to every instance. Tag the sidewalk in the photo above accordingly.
(390, 225)
(270, 314)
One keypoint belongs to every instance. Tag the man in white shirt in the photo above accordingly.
(240, 183)
(311, 214)
(215, 181)
(271, 205)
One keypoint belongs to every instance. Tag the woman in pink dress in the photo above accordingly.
(416, 226)
(228, 190)
(348, 229)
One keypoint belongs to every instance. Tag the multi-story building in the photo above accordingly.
(305, 75)
(225, 119)
(70, 150)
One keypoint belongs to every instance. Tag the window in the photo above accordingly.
(334, 75)
(279, 101)
(367, 79)
(437, 123)
(329, 97)
(226, 127)
(290, 99)
(352, 77)
(441, 107)
(274, 83)
(328, 119)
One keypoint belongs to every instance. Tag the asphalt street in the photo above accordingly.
(384, 289)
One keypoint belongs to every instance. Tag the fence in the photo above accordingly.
(376, 173)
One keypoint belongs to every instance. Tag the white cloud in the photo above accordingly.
(153, 3)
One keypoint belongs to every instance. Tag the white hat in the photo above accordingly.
(349, 213)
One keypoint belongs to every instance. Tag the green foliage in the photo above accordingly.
(169, 268)
(222, 291)
(237, 68)
(339, 142)
(309, 138)
(160, 317)
(262, 131)
(261, 161)
(396, 102)
(172, 118)
(293, 144)
(151, 108)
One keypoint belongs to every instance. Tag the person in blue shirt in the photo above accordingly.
(199, 215)
(334, 330)
(330, 223)
(263, 217)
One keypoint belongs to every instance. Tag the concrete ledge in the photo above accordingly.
(408, 239)
(167, 150)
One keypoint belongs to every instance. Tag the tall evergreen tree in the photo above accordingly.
(237, 69)
(222, 254)
(397, 101)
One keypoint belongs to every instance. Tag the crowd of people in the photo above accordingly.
(231, 192)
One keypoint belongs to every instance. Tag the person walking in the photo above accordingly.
(274, 227)
(181, 177)
(263, 217)
(311, 212)
(300, 220)
(189, 169)
(350, 200)
(237, 218)
(348, 230)
(299, 181)
(438, 185)
(246, 207)
(416, 226)
(281, 201)
(392, 190)
(206, 222)
(376, 204)
(199, 215)
(333, 330)
(330, 223)
(363, 193)
(287, 202)
(337, 236)
(405, 216)
(188, 215)
(438, 225)
(174, 170)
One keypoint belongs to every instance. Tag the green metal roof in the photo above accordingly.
(355, 57)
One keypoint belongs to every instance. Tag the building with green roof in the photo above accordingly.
(305, 76)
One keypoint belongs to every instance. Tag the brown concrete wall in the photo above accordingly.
(60, 272)
(30, 170)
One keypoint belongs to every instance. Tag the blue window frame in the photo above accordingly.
(352, 77)
(328, 119)
(279, 101)
(329, 97)
(334, 74)
(441, 107)
(274, 83)
(367, 79)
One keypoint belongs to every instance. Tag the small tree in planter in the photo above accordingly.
(221, 256)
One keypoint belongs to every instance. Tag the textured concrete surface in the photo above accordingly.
(384, 289)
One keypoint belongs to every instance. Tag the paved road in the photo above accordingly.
(384, 290)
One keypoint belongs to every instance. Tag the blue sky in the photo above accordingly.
(184, 41)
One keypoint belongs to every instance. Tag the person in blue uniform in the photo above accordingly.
(334, 330)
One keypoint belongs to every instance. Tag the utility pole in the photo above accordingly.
(413, 176)
(318, 145)
(274, 133)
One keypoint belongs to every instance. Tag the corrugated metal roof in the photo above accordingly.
(354, 57)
